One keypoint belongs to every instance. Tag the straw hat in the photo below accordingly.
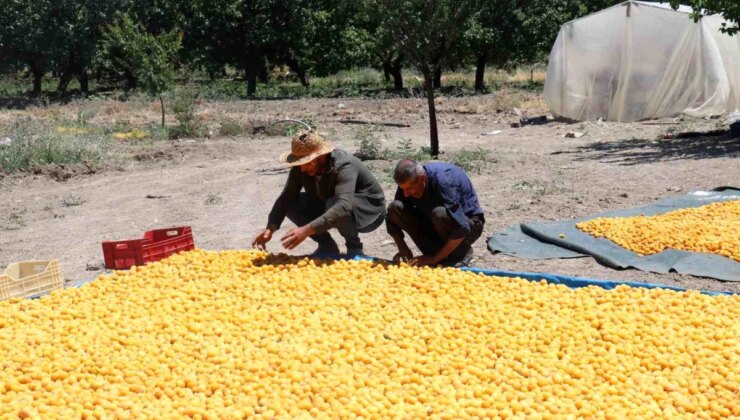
(306, 146)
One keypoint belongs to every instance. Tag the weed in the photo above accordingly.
(405, 150)
(231, 127)
(471, 160)
(72, 201)
(157, 132)
(213, 199)
(84, 116)
(387, 176)
(686, 123)
(184, 107)
(38, 144)
(527, 186)
(369, 145)
(15, 220)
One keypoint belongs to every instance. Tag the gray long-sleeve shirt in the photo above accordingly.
(356, 190)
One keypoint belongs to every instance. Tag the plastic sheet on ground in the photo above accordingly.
(561, 239)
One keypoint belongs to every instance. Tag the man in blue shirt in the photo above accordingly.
(436, 205)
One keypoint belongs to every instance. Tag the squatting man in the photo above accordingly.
(328, 188)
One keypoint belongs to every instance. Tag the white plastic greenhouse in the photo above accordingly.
(639, 60)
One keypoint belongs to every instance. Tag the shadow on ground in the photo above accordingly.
(639, 151)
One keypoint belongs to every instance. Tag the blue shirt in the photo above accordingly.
(449, 186)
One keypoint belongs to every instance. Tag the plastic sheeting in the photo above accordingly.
(578, 282)
(640, 60)
(562, 239)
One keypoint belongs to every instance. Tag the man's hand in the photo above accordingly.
(404, 255)
(424, 260)
(295, 236)
(261, 239)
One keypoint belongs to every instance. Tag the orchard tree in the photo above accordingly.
(492, 35)
(316, 38)
(506, 33)
(150, 58)
(427, 32)
(79, 25)
(27, 36)
(368, 29)
(244, 33)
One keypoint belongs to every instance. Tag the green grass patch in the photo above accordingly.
(34, 143)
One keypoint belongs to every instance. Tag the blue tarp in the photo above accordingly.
(572, 282)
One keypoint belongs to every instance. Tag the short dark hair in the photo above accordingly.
(407, 169)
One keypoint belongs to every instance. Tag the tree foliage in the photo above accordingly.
(729, 9)
(310, 37)
(149, 58)
(27, 36)
(427, 33)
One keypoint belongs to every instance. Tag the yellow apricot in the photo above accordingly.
(235, 334)
(712, 228)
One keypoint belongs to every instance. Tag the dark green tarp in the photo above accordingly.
(561, 239)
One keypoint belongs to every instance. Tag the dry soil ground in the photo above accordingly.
(225, 187)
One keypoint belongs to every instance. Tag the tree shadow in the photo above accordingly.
(636, 151)
(25, 100)
(44, 99)
(21, 103)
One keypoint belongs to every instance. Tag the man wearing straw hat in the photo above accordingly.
(339, 192)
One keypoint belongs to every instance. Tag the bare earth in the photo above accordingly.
(225, 187)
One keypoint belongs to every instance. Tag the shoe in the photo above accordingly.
(355, 252)
(327, 250)
(466, 261)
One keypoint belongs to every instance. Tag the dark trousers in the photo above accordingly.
(431, 233)
(309, 208)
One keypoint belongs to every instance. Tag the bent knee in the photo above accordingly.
(396, 206)
(439, 214)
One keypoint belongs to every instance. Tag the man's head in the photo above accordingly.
(411, 178)
(308, 150)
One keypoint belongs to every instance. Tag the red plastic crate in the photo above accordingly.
(156, 245)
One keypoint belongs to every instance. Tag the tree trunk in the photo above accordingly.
(38, 76)
(433, 137)
(64, 80)
(304, 79)
(250, 73)
(397, 75)
(299, 70)
(84, 82)
(480, 71)
(131, 82)
(437, 78)
(263, 75)
(161, 102)
(387, 71)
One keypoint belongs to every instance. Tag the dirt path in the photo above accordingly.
(225, 188)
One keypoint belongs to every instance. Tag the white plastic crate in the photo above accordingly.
(30, 278)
